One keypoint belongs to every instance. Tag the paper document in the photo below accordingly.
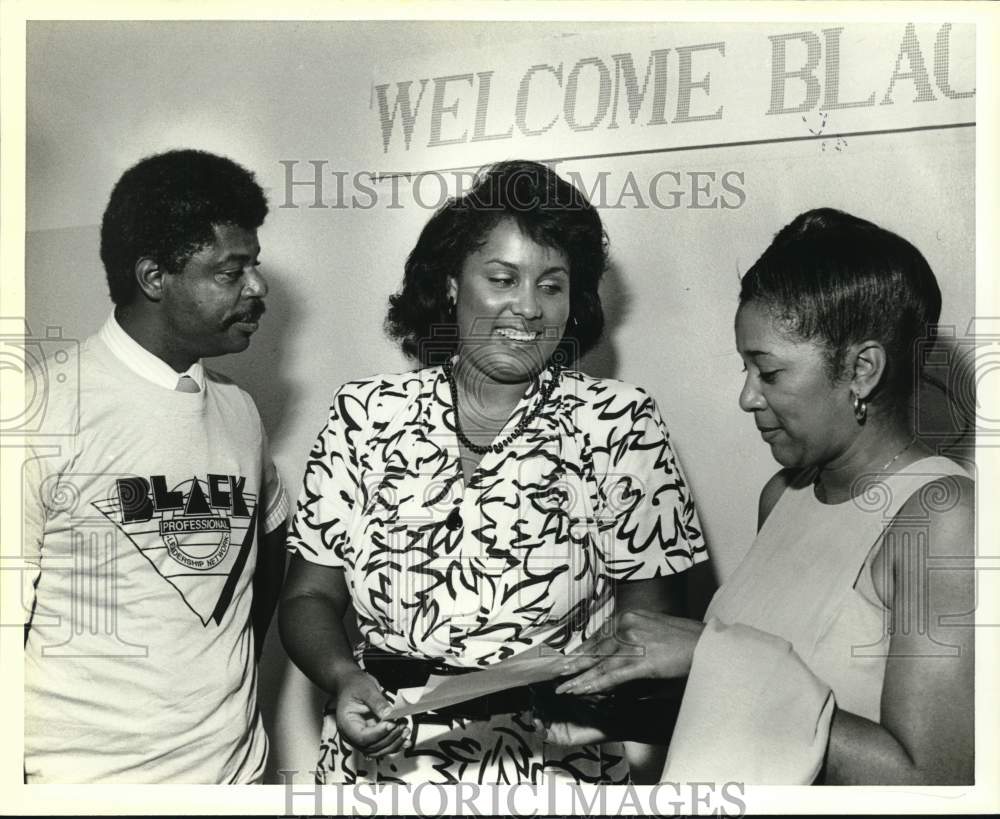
(530, 667)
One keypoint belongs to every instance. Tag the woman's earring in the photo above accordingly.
(860, 408)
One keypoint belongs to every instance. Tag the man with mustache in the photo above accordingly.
(158, 523)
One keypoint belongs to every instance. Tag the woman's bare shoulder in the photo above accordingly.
(773, 490)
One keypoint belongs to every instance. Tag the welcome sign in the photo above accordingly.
(681, 86)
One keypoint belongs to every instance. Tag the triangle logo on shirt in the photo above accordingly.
(197, 534)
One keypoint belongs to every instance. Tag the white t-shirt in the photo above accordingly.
(143, 520)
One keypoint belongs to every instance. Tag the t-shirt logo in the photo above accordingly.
(187, 532)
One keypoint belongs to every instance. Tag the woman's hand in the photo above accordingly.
(361, 709)
(570, 733)
(645, 645)
(311, 618)
(569, 721)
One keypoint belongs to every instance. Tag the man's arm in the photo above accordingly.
(267, 580)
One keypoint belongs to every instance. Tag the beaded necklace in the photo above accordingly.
(498, 446)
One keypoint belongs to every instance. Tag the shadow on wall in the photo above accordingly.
(946, 412)
(261, 369)
(602, 360)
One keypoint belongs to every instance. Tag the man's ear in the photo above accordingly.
(149, 276)
(869, 365)
(452, 290)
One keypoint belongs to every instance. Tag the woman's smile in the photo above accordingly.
(514, 334)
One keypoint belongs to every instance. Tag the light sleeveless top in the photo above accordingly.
(807, 579)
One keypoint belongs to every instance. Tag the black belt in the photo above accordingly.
(395, 671)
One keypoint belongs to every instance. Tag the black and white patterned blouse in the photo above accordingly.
(589, 496)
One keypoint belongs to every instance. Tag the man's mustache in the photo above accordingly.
(252, 313)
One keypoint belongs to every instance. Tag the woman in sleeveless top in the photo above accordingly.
(841, 649)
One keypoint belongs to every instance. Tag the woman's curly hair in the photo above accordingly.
(547, 209)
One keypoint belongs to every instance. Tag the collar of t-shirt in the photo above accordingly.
(142, 362)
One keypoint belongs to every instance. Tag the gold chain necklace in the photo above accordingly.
(895, 457)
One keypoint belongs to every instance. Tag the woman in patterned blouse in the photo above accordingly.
(492, 501)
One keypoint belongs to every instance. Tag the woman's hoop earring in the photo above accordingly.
(860, 408)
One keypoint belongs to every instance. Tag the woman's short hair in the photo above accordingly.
(165, 207)
(547, 209)
(835, 279)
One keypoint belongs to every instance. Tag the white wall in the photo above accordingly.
(100, 96)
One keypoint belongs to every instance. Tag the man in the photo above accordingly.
(158, 522)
